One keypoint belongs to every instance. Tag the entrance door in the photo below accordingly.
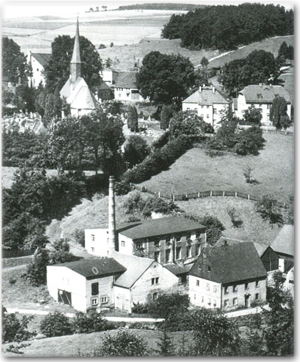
(247, 300)
(64, 297)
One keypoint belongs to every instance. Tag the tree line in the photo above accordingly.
(227, 27)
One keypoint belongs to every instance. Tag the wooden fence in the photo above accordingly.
(201, 194)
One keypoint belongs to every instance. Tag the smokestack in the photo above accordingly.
(111, 216)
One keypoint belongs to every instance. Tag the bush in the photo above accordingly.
(136, 150)
(36, 272)
(159, 205)
(79, 236)
(161, 141)
(89, 322)
(249, 141)
(269, 210)
(14, 329)
(139, 308)
(56, 324)
(122, 188)
(168, 304)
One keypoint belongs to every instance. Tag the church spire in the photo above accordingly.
(76, 61)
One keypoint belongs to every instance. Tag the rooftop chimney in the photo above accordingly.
(111, 216)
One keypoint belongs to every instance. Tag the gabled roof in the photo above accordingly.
(126, 80)
(284, 241)
(95, 268)
(229, 263)
(262, 93)
(208, 96)
(260, 248)
(42, 58)
(76, 50)
(178, 269)
(135, 268)
(162, 226)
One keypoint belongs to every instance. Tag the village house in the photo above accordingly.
(283, 246)
(228, 276)
(76, 91)
(37, 61)
(84, 283)
(261, 96)
(125, 88)
(209, 104)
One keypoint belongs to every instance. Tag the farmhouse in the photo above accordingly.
(283, 246)
(125, 88)
(209, 104)
(76, 91)
(37, 61)
(261, 96)
(227, 276)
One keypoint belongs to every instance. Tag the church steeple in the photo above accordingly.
(76, 61)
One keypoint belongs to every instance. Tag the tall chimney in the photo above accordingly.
(111, 216)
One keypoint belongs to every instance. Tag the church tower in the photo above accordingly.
(75, 68)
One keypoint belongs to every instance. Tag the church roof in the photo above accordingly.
(76, 50)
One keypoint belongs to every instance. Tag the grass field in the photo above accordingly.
(273, 168)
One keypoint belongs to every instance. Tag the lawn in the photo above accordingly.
(195, 171)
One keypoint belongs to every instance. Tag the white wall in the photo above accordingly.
(210, 114)
(207, 294)
(96, 241)
(37, 76)
(126, 95)
(125, 245)
(123, 299)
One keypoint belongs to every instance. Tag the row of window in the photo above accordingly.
(235, 300)
(178, 253)
(235, 287)
(95, 300)
(168, 239)
(215, 288)
(209, 302)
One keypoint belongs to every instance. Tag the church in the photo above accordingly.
(76, 91)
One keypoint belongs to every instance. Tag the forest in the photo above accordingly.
(227, 27)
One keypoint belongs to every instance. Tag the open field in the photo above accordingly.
(273, 168)
(68, 346)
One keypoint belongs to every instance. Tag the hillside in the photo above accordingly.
(161, 6)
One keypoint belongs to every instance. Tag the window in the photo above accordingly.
(178, 252)
(95, 288)
(197, 283)
(257, 284)
(139, 245)
(188, 251)
(225, 290)
(234, 301)
(256, 296)
(207, 287)
(234, 289)
(207, 116)
(168, 255)
(154, 281)
(156, 256)
(123, 244)
(202, 299)
(104, 299)
(208, 268)
(155, 296)
(156, 243)
(178, 238)
(93, 237)
(246, 286)
(215, 304)
(182, 279)
(226, 303)
(215, 289)
(94, 302)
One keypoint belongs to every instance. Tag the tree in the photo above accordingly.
(279, 330)
(56, 324)
(136, 150)
(36, 272)
(165, 78)
(253, 116)
(278, 113)
(249, 141)
(57, 70)
(168, 304)
(204, 62)
(186, 123)
(269, 209)
(15, 329)
(14, 63)
(213, 228)
(226, 134)
(24, 98)
(167, 112)
(132, 119)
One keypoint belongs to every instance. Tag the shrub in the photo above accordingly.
(56, 324)
(89, 322)
(139, 308)
(167, 304)
(14, 329)
(122, 188)
(159, 205)
(269, 210)
(36, 272)
(79, 236)
(161, 141)
(249, 141)
(136, 150)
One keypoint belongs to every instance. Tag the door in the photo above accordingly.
(64, 297)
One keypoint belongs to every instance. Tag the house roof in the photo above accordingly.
(178, 269)
(284, 241)
(126, 80)
(42, 58)
(162, 226)
(135, 268)
(260, 248)
(229, 263)
(206, 97)
(95, 268)
(264, 93)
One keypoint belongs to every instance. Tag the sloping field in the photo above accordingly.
(195, 171)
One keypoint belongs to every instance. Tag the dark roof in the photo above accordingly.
(229, 263)
(264, 93)
(178, 269)
(95, 268)
(207, 96)
(126, 80)
(260, 248)
(284, 242)
(42, 58)
(162, 226)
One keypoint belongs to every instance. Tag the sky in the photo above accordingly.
(24, 8)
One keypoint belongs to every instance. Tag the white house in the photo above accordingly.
(261, 96)
(283, 246)
(125, 88)
(209, 104)
(85, 283)
(227, 276)
(38, 61)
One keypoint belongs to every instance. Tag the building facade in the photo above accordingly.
(125, 88)
(37, 61)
